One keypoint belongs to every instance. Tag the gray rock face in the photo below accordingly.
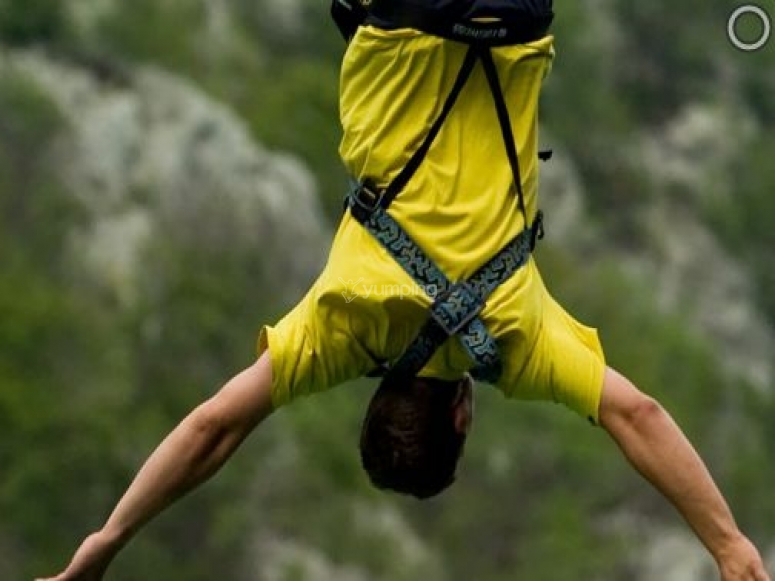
(695, 273)
(152, 156)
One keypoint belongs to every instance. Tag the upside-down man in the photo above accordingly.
(438, 105)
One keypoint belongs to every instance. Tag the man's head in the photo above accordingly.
(413, 434)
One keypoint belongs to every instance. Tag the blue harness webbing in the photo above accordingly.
(456, 305)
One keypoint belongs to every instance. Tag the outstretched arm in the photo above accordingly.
(658, 449)
(188, 456)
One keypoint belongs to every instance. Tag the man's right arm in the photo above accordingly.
(188, 456)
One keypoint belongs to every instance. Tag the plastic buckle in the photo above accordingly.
(456, 307)
(364, 200)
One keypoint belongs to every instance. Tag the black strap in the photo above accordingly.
(400, 181)
(485, 54)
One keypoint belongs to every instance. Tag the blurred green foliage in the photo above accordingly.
(87, 389)
(31, 21)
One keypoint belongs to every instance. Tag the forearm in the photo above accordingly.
(188, 456)
(658, 449)
(195, 449)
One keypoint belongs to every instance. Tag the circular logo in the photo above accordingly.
(756, 12)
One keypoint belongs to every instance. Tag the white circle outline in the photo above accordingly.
(732, 25)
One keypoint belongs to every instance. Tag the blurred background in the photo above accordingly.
(169, 182)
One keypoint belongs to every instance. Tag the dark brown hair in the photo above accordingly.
(409, 443)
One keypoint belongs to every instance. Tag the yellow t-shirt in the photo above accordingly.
(461, 208)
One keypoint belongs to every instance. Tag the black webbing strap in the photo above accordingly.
(485, 54)
(400, 181)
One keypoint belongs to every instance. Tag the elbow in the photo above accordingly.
(642, 412)
(626, 408)
(205, 428)
(639, 418)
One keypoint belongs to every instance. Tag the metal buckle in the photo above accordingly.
(456, 307)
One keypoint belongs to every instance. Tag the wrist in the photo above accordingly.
(728, 546)
(114, 537)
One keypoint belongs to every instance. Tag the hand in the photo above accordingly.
(741, 562)
(90, 560)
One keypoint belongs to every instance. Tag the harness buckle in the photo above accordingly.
(364, 199)
(456, 307)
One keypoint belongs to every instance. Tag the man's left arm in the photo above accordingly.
(656, 447)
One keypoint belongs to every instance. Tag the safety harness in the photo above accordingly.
(456, 305)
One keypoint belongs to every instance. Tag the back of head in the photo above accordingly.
(409, 442)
